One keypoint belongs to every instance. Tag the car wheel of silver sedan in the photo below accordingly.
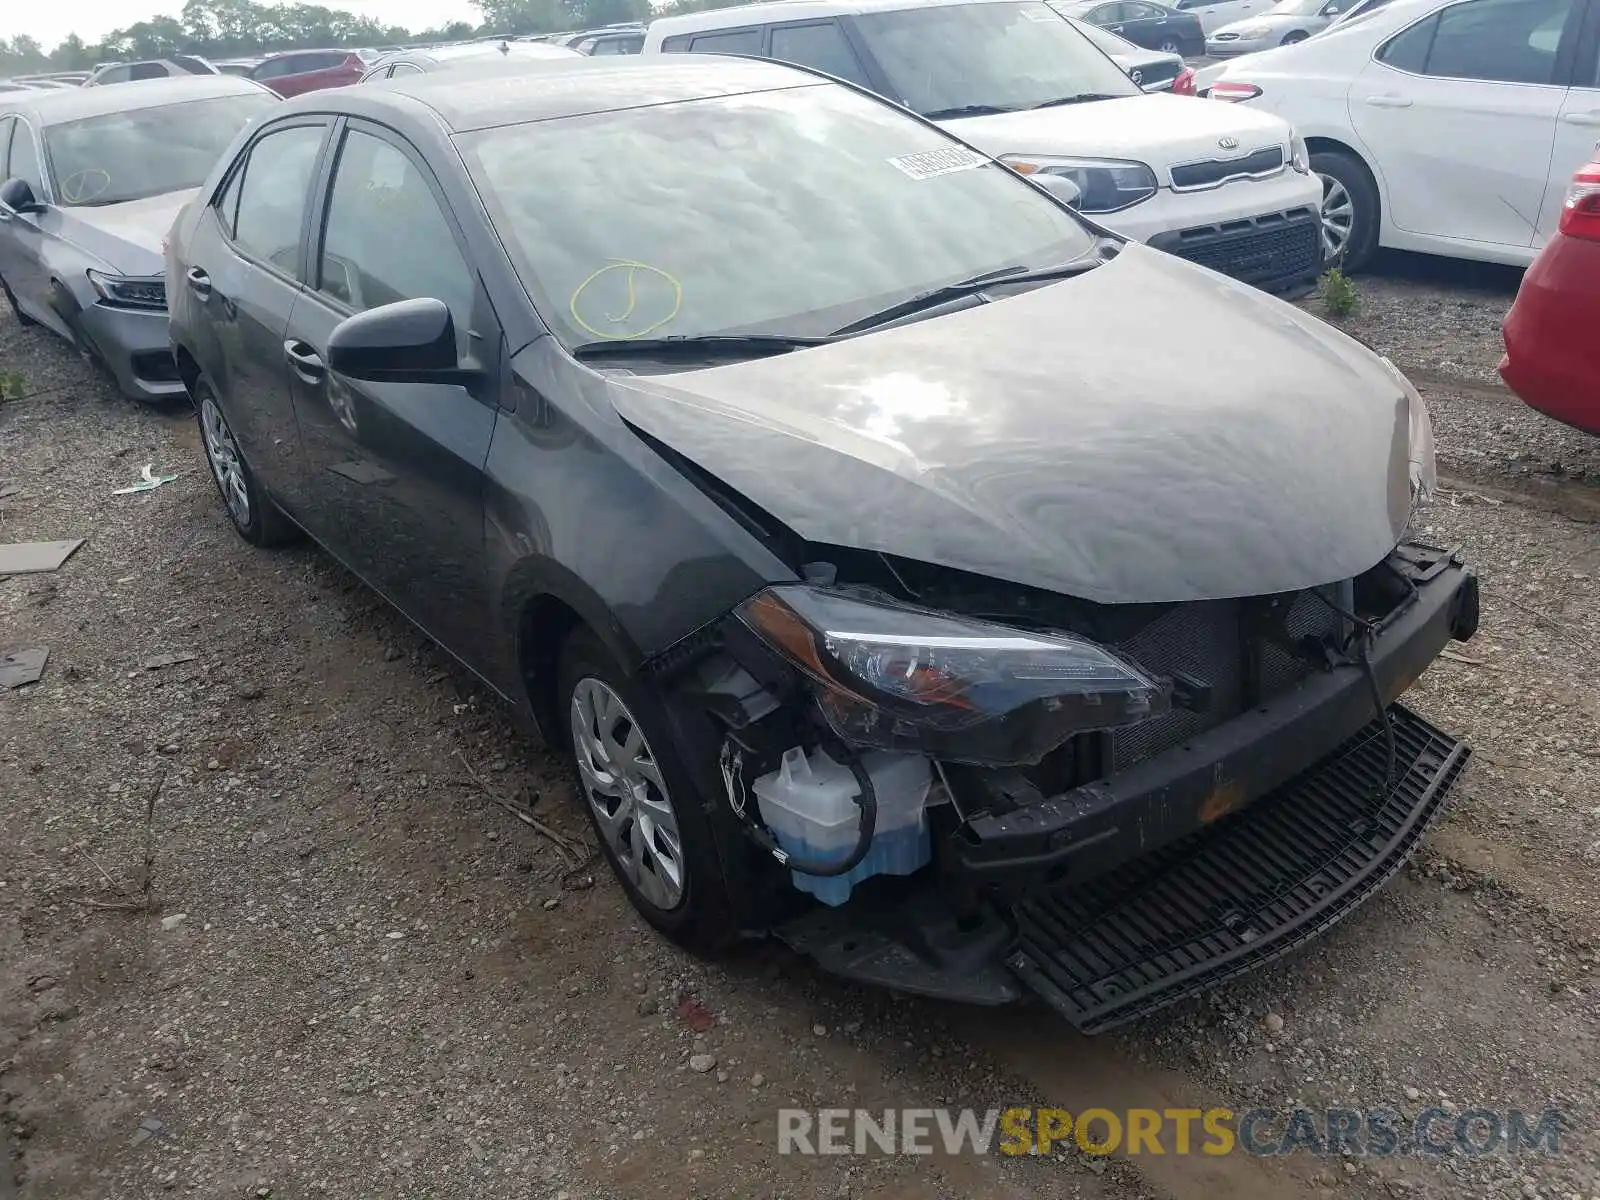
(1349, 211)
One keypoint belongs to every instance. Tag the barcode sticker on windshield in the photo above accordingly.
(929, 163)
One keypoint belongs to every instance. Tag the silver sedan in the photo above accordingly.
(1284, 24)
(92, 180)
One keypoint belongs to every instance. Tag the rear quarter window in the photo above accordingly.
(727, 41)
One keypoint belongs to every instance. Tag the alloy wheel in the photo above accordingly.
(223, 453)
(624, 786)
(1169, 47)
(1338, 218)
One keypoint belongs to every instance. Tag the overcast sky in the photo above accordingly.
(51, 20)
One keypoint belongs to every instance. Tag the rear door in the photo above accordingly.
(1460, 111)
(820, 45)
(395, 470)
(244, 272)
(1577, 126)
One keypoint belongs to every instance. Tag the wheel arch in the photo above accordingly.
(1319, 143)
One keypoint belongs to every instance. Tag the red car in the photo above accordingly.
(1552, 333)
(300, 71)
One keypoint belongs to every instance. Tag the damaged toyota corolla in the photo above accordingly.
(917, 572)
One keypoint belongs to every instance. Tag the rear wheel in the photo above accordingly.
(1170, 46)
(652, 826)
(1349, 209)
(255, 517)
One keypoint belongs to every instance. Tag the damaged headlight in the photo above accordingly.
(1424, 471)
(899, 678)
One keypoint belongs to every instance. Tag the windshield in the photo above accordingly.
(145, 151)
(793, 212)
(944, 60)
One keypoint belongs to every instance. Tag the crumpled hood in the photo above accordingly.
(127, 237)
(1157, 129)
(1146, 432)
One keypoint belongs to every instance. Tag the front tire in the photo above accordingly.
(23, 318)
(1350, 209)
(641, 801)
(255, 517)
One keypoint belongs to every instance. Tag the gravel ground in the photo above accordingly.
(264, 931)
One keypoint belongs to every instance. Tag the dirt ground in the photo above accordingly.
(265, 932)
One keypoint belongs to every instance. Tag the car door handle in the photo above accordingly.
(1389, 101)
(1581, 118)
(199, 282)
(307, 363)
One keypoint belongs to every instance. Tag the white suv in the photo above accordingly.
(1223, 186)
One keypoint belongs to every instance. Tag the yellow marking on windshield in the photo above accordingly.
(78, 187)
(632, 267)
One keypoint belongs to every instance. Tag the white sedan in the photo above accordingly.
(1446, 126)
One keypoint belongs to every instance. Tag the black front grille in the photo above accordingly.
(1215, 171)
(156, 366)
(1277, 250)
(1215, 643)
(1157, 76)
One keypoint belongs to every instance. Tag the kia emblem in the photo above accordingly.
(1228, 143)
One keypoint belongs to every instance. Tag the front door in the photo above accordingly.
(395, 470)
(1460, 111)
(23, 236)
(244, 267)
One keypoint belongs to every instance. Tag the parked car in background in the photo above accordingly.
(1019, 81)
(1552, 332)
(1445, 126)
(1153, 26)
(92, 181)
(156, 68)
(1213, 14)
(1152, 70)
(17, 86)
(468, 54)
(609, 41)
(1284, 24)
(70, 78)
(237, 66)
(299, 71)
(819, 483)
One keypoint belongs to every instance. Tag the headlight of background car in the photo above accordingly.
(901, 678)
(1107, 184)
(130, 292)
(1299, 156)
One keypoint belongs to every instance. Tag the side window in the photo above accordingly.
(273, 196)
(321, 62)
(270, 69)
(151, 70)
(24, 162)
(1106, 14)
(821, 46)
(400, 69)
(1142, 12)
(734, 41)
(227, 204)
(1408, 50)
(675, 45)
(381, 201)
(1495, 41)
(116, 75)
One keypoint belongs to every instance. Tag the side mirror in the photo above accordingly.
(1059, 186)
(17, 195)
(410, 341)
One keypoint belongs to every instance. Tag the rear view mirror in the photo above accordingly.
(1059, 186)
(17, 195)
(410, 341)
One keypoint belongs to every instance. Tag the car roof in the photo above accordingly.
(55, 105)
(772, 11)
(488, 50)
(514, 95)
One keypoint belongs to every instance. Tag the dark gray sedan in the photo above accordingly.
(817, 480)
(92, 179)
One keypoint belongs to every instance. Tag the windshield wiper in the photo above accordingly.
(933, 297)
(966, 110)
(721, 345)
(1080, 98)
